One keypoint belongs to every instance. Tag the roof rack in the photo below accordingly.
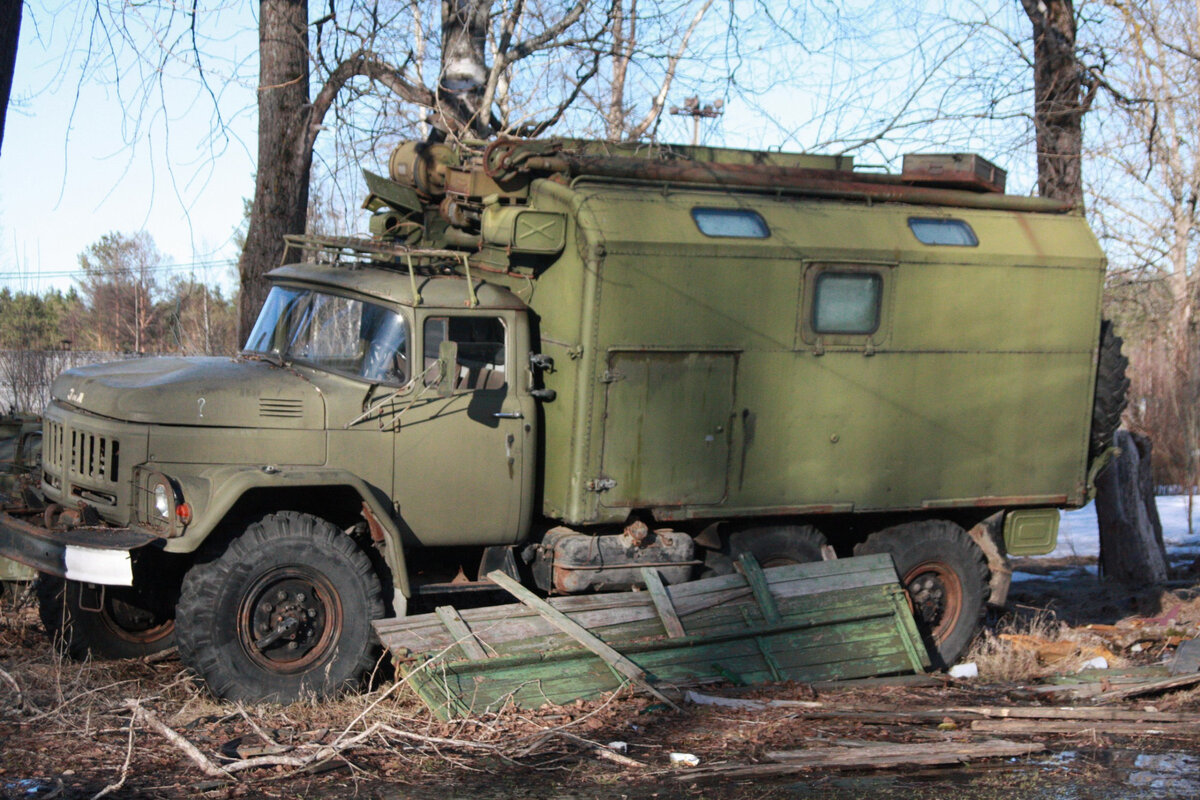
(357, 251)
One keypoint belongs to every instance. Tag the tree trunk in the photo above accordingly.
(284, 154)
(463, 81)
(1131, 543)
(1057, 105)
(10, 34)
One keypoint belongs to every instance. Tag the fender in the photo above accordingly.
(225, 486)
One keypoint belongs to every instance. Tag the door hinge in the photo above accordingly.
(611, 376)
(600, 485)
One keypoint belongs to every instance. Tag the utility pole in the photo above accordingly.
(692, 108)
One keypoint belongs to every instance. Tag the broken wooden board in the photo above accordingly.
(826, 620)
(866, 755)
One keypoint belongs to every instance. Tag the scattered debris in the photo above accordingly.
(1187, 658)
(749, 705)
(684, 760)
(969, 670)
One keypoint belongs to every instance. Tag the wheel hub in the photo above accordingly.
(289, 619)
(131, 621)
(937, 596)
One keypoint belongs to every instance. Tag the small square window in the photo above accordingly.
(939, 231)
(846, 303)
(736, 223)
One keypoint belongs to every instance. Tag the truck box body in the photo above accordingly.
(689, 375)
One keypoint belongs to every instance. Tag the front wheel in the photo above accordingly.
(946, 577)
(284, 612)
(101, 621)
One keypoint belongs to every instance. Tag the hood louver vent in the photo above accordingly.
(280, 407)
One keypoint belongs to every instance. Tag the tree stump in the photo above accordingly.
(1131, 543)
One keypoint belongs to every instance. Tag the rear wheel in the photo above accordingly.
(771, 546)
(282, 613)
(946, 577)
(101, 621)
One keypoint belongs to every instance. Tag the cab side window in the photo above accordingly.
(481, 351)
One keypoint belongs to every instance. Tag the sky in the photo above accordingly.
(73, 166)
(103, 137)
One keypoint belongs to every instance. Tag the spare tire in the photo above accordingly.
(1112, 388)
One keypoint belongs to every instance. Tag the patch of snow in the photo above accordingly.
(1079, 535)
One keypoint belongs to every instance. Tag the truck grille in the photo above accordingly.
(81, 454)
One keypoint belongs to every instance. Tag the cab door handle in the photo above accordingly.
(508, 415)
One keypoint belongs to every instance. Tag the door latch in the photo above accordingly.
(600, 485)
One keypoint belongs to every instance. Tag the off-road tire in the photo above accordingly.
(777, 545)
(1112, 387)
(83, 621)
(947, 580)
(287, 566)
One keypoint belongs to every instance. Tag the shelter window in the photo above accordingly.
(847, 303)
(481, 357)
(736, 223)
(941, 231)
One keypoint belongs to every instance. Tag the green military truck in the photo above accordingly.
(569, 361)
(20, 468)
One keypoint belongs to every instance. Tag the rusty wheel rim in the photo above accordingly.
(132, 624)
(290, 620)
(936, 595)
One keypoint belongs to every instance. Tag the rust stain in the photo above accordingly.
(372, 523)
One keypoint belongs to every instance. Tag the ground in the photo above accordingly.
(67, 733)
(66, 727)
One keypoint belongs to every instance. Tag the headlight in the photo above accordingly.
(162, 501)
(164, 508)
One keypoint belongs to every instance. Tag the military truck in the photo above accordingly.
(20, 470)
(572, 360)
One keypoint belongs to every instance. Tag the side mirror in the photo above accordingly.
(447, 367)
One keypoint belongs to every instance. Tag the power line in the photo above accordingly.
(78, 271)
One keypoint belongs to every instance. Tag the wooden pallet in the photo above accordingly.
(828, 620)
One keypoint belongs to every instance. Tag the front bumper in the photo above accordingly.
(89, 555)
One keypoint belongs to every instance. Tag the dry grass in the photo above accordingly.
(1022, 649)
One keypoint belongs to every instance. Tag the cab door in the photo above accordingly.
(464, 463)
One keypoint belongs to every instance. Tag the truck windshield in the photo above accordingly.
(335, 333)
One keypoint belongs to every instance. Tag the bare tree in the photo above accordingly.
(1058, 103)
(119, 288)
(10, 34)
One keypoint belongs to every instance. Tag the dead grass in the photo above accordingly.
(1025, 648)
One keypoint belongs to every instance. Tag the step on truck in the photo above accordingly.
(569, 361)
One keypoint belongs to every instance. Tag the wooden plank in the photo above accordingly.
(867, 755)
(1149, 687)
(1039, 712)
(1029, 727)
(760, 587)
(873, 754)
(662, 602)
(610, 656)
(906, 627)
(461, 633)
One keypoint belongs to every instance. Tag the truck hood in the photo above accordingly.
(216, 392)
